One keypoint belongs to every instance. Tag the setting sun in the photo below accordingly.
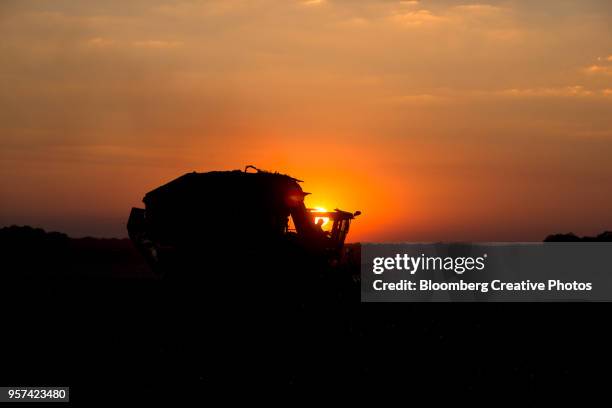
(324, 219)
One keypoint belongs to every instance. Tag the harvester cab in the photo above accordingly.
(334, 225)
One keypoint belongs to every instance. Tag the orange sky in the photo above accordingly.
(439, 120)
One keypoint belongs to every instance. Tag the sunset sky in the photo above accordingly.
(439, 120)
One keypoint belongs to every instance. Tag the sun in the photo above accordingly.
(324, 219)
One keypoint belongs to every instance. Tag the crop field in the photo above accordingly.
(82, 312)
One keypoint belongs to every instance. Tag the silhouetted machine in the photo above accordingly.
(258, 213)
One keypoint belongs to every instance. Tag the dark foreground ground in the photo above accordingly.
(88, 314)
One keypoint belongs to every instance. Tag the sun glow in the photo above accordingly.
(324, 219)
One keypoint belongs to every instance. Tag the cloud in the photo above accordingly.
(598, 69)
(157, 44)
(479, 8)
(99, 42)
(444, 96)
(194, 10)
(567, 91)
(409, 3)
(105, 43)
(312, 2)
(483, 17)
(417, 18)
(417, 99)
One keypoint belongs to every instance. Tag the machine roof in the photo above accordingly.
(220, 182)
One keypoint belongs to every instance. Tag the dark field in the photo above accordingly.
(88, 314)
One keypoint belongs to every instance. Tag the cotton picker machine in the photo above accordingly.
(235, 218)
